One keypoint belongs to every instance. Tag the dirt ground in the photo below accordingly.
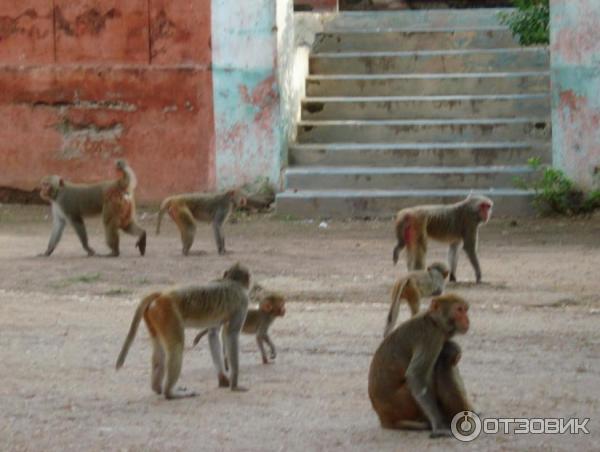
(533, 349)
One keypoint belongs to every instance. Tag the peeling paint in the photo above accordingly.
(249, 126)
(575, 71)
(89, 140)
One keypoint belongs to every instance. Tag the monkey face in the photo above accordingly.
(485, 211)
(49, 187)
(441, 268)
(274, 305)
(460, 317)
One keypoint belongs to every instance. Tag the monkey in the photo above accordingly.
(453, 224)
(185, 209)
(271, 305)
(113, 199)
(414, 381)
(168, 313)
(414, 286)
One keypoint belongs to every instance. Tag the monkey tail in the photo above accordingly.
(199, 336)
(394, 308)
(137, 317)
(163, 208)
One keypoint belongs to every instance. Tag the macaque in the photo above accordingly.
(414, 382)
(414, 286)
(74, 202)
(453, 224)
(187, 208)
(270, 306)
(166, 314)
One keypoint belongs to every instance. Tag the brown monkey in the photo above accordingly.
(258, 321)
(454, 224)
(414, 286)
(167, 314)
(113, 199)
(413, 379)
(187, 208)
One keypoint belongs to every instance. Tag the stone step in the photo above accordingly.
(385, 203)
(421, 154)
(520, 59)
(401, 20)
(426, 107)
(427, 130)
(442, 39)
(428, 84)
(404, 178)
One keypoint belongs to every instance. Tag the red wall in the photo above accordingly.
(86, 82)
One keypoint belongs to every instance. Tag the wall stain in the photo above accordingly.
(92, 22)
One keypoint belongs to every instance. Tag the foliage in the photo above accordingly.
(556, 193)
(530, 21)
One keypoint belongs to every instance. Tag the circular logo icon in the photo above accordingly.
(466, 426)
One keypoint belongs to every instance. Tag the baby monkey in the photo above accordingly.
(270, 306)
(414, 286)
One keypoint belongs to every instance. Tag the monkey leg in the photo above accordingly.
(453, 259)
(397, 250)
(268, 340)
(158, 365)
(400, 411)
(215, 353)
(187, 226)
(134, 229)
(111, 233)
(79, 226)
(232, 335)
(449, 385)
(169, 327)
(217, 224)
(259, 340)
(470, 247)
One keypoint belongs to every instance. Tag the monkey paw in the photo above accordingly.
(239, 389)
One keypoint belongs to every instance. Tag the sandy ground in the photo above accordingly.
(533, 350)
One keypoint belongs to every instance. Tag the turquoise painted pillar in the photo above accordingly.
(575, 71)
(250, 131)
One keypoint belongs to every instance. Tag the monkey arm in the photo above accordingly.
(58, 226)
(470, 247)
(419, 378)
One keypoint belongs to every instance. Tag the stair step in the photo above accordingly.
(427, 130)
(410, 40)
(403, 20)
(426, 107)
(424, 154)
(404, 178)
(440, 61)
(385, 203)
(428, 84)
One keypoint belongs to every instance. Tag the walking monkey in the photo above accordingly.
(185, 209)
(113, 199)
(453, 224)
(167, 313)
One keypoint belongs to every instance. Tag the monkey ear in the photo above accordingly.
(266, 307)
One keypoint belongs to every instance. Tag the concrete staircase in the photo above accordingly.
(416, 107)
